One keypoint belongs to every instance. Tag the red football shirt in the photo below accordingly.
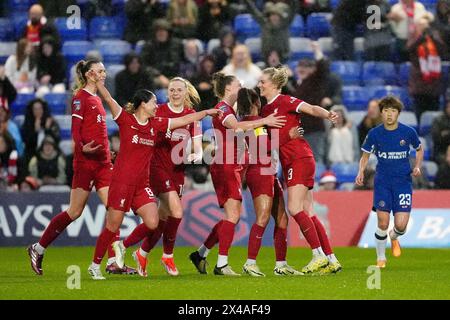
(226, 147)
(167, 141)
(290, 107)
(137, 141)
(89, 109)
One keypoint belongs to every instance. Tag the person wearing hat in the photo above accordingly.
(274, 21)
(328, 181)
(163, 52)
(48, 166)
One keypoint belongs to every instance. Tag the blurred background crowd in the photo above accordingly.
(342, 54)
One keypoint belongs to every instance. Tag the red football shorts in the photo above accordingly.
(227, 181)
(259, 181)
(300, 171)
(122, 197)
(162, 181)
(89, 174)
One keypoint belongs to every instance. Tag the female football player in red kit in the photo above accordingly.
(226, 171)
(298, 165)
(130, 188)
(91, 161)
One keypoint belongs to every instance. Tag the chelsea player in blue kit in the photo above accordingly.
(391, 142)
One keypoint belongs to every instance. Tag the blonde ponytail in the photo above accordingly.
(278, 76)
(80, 79)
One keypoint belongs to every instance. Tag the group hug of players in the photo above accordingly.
(144, 170)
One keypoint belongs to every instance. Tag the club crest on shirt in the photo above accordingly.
(381, 203)
(77, 105)
(402, 142)
(223, 108)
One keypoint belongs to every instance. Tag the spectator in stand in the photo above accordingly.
(8, 162)
(403, 17)
(440, 132)
(51, 68)
(38, 27)
(10, 127)
(133, 78)
(328, 181)
(274, 22)
(202, 81)
(183, 16)
(21, 69)
(140, 16)
(48, 166)
(342, 138)
(189, 65)
(442, 180)
(54, 9)
(163, 52)
(309, 6)
(222, 53)
(38, 124)
(242, 67)
(442, 23)
(212, 18)
(378, 35)
(347, 16)
(370, 120)
(7, 91)
(425, 78)
(318, 86)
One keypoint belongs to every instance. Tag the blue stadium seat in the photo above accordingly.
(334, 4)
(345, 172)
(20, 5)
(7, 30)
(379, 92)
(246, 27)
(349, 71)
(19, 105)
(326, 45)
(69, 32)
(74, 51)
(112, 71)
(57, 102)
(355, 98)
(300, 48)
(111, 125)
(358, 44)
(7, 49)
(19, 20)
(430, 5)
(254, 45)
(161, 96)
(320, 168)
(403, 74)
(379, 73)
(409, 118)
(318, 25)
(65, 125)
(431, 169)
(113, 51)
(297, 28)
(426, 121)
(207, 128)
(105, 28)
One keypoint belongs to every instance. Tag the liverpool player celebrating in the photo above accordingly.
(226, 172)
(138, 128)
(298, 166)
(91, 162)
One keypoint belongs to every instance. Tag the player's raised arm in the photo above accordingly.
(197, 116)
(317, 111)
(362, 167)
(271, 121)
(113, 105)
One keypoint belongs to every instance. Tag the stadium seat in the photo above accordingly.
(161, 95)
(379, 73)
(7, 49)
(356, 117)
(207, 129)
(20, 5)
(111, 125)
(349, 71)
(57, 102)
(326, 45)
(427, 147)
(71, 33)
(246, 27)
(65, 125)
(300, 48)
(19, 105)
(403, 74)
(334, 4)
(379, 92)
(74, 51)
(297, 28)
(105, 28)
(254, 45)
(318, 25)
(431, 169)
(7, 30)
(408, 118)
(426, 121)
(213, 43)
(19, 20)
(66, 146)
(320, 168)
(113, 51)
(112, 71)
(345, 172)
(19, 120)
(358, 45)
(355, 98)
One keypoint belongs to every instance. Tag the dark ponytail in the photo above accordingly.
(220, 81)
(246, 99)
(140, 96)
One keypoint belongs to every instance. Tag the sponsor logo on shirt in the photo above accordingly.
(143, 141)
(381, 203)
(135, 139)
(402, 142)
(100, 118)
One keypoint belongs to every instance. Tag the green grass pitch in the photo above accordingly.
(417, 274)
